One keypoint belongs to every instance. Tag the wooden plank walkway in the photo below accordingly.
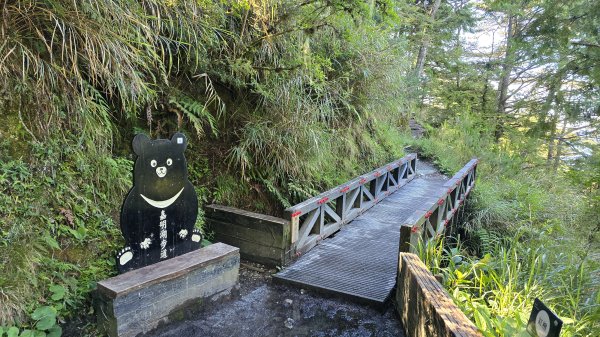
(361, 260)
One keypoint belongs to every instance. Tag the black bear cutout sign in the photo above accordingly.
(159, 213)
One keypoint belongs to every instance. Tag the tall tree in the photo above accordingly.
(431, 9)
(507, 63)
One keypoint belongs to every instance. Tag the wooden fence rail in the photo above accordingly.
(436, 214)
(424, 306)
(323, 215)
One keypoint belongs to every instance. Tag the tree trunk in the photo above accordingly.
(507, 66)
(551, 140)
(559, 145)
(488, 68)
(457, 45)
(426, 40)
(544, 113)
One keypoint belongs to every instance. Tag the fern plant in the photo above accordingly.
(195, 111)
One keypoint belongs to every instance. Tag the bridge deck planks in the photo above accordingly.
(361, 260)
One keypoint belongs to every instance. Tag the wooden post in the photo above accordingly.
(294, 224)
(405, 234)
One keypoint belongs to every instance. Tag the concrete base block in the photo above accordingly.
(138, 301)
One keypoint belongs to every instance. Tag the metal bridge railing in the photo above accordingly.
(439, 211)
(323, 215)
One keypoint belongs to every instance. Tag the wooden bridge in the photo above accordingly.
(347, 239)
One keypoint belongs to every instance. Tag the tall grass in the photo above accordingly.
(65, 62)
(326, 106)
(528, 235)
(285, 98)
(496, 290)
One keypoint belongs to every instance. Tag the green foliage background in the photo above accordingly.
(528, 234)
(282, 99)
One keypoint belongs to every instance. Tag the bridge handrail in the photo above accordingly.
(351, 199)
(431, 221)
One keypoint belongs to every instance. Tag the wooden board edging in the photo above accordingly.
(261, 238)
(424, 307)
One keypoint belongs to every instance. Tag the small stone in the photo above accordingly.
(289, 323)
(288, 301)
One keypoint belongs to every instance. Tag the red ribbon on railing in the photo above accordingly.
(322, 201)
(377, 174)
(441, 202)
(362, 181)
(389, 168)
(414, 229)
(345, 189)
(428, 214)
(295, 214)
(446, 223)
(450, 190)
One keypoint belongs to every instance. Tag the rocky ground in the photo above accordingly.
(258, 307)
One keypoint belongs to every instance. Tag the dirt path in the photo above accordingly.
(257, 307)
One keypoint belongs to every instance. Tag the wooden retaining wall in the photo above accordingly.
(424, 306)
(261, 238)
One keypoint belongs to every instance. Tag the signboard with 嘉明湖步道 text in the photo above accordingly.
(160, 210)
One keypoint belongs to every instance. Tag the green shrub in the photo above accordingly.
(528, 235)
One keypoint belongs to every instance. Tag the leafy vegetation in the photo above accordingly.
(278, 94)
(527, 106)
(285, 99)
(528, 235)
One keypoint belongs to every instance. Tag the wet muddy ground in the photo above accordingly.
(259, 307)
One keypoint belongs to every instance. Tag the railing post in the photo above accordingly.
(373, 187)
(405, 235)
(340, 206)
(359, 197)
(294, 223)
(321, 220)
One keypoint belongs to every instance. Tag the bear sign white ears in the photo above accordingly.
(179, 139)
(139, 142)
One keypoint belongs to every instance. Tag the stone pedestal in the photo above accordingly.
(138, 301)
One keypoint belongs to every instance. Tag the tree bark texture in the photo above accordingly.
(433, 8)
(507, 67)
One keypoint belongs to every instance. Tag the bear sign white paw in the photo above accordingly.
(183, 233)
(196, 236)
(125, 256)
(146, 243)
